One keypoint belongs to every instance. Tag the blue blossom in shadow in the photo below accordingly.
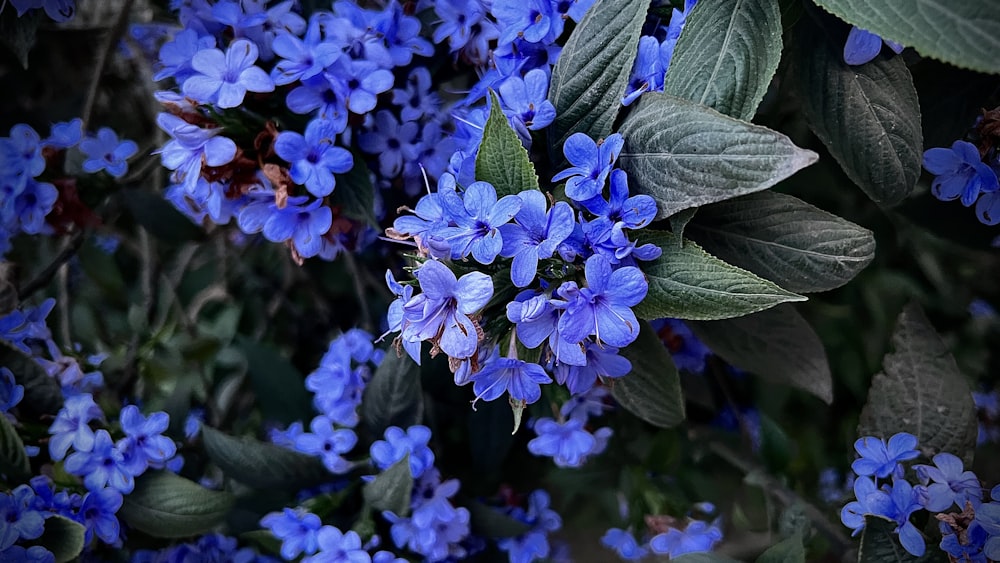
(863, 46)
(881, 459)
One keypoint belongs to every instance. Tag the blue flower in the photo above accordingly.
(225, 78)
(297, 529)
(60, 11)
(591, 164)
(363, 81)
(633, 212)
(399, 444)
(526, 103)
(896, 504)
(697, 537)
(21, 154)
(65, 134)
(971, 550)
(144, 444)
(534, 316)
(338, 547)
(951, 485)
(518, 378)
(863, 46)
(535, 234)
(960, 173)
(441, 313)
(603, 308)
(988, 516)
(33, 554)
(477, 217)
(97, 513)
(462, 22)
(417, 98)
(687, 351)
(567, 443)
(533, 20)
(534, 543)
(10, 392)
(392, 142)
(328, 443)
(191, 145)
(305, 224)
(33, 204)
(647, 70)
(175, 56)
(21, 520)
(314, 158)
(602, 361)
(301, 60)
(71, 426)
(106, 152)
(624, 543)
(104, 465)
(881, 459)
(988, 208)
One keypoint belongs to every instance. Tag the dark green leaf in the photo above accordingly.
(704, 557)
(776, 344)
(685, 282)
(8, 293)
(492, 523)
(592, 72)
(18, 33)
(727, 55)
(264, 539)
(491, 424)
(165, 505)
(921, 392)
(13, 459)
(394, 396)
(680, 220)
(391, 489)
(879, 544)
(160, 218)
(42, 394)
(868, 116)
(279, 387)
(355, 194)
(686, 155)
(502, 160)
(784, 239)
(262, 465)
(789, 550)
(965, 34)
(63, 537)
(652, 390)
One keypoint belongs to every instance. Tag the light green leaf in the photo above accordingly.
(921, 392)
(13, 459)
(776, 344)
(590, 78)
(354, 193)
(686, 155)
(165, 505)
(784, 239)
(262, 465)
(652, 390)
(391, 489)
(963, 33)
(789, 550)
(868, 116)
(686, 282)
(63, 537)
(727, 55)
(394, 396)
(502, 160)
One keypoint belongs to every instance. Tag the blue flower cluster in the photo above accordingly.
(33, 176)
(567, 441)
(968, 171)
(670, 537)
(210, 547)
(435, 529)
(970, 535)
(534, 543)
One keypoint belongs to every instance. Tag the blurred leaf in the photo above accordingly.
(775, 446)
(279, 387)
(794, 522)
(160, 218)
(727, 55)
(921, 392)
(687, 155)
(965, 34)
(686, 282)
(490, 423)
(8, 294)
(706, 557)
(784, 239)
(590, 77)
(263, 539)
(63, 537)
(18, 33)
(13, 459)
(355, 194)
(493, 523)
(102, 268)
(262, 465)
(393, 397)
(165, 505)
(879, 544)
(789, 550)
(502, 160)
(652, 390)
(868, 115)
(391, 489)
(42, 394)
(776, 344)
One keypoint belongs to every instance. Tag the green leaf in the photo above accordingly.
(921, 392)
(42, 394)
(868, 116)
(686, 282)
(279, 387)
(776, 344)
(491, 423)
(652, 390)
(63, 537)
(702, 557)
(14, 463)
(355, 194)
(502, 160)
(965, 34)
(262, 465)
(18, 33)
(789, 550)
(391, 489)
(784, 239)
(8, 293)
(590, 77)
(160, 218)
(394, 396)
(165, 505)
(492, 523)
(680, 220)
(879, 544)
(686, 155)
(727, 55)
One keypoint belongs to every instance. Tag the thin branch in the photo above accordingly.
(45, 276)
(103, 56)
(359, 289)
